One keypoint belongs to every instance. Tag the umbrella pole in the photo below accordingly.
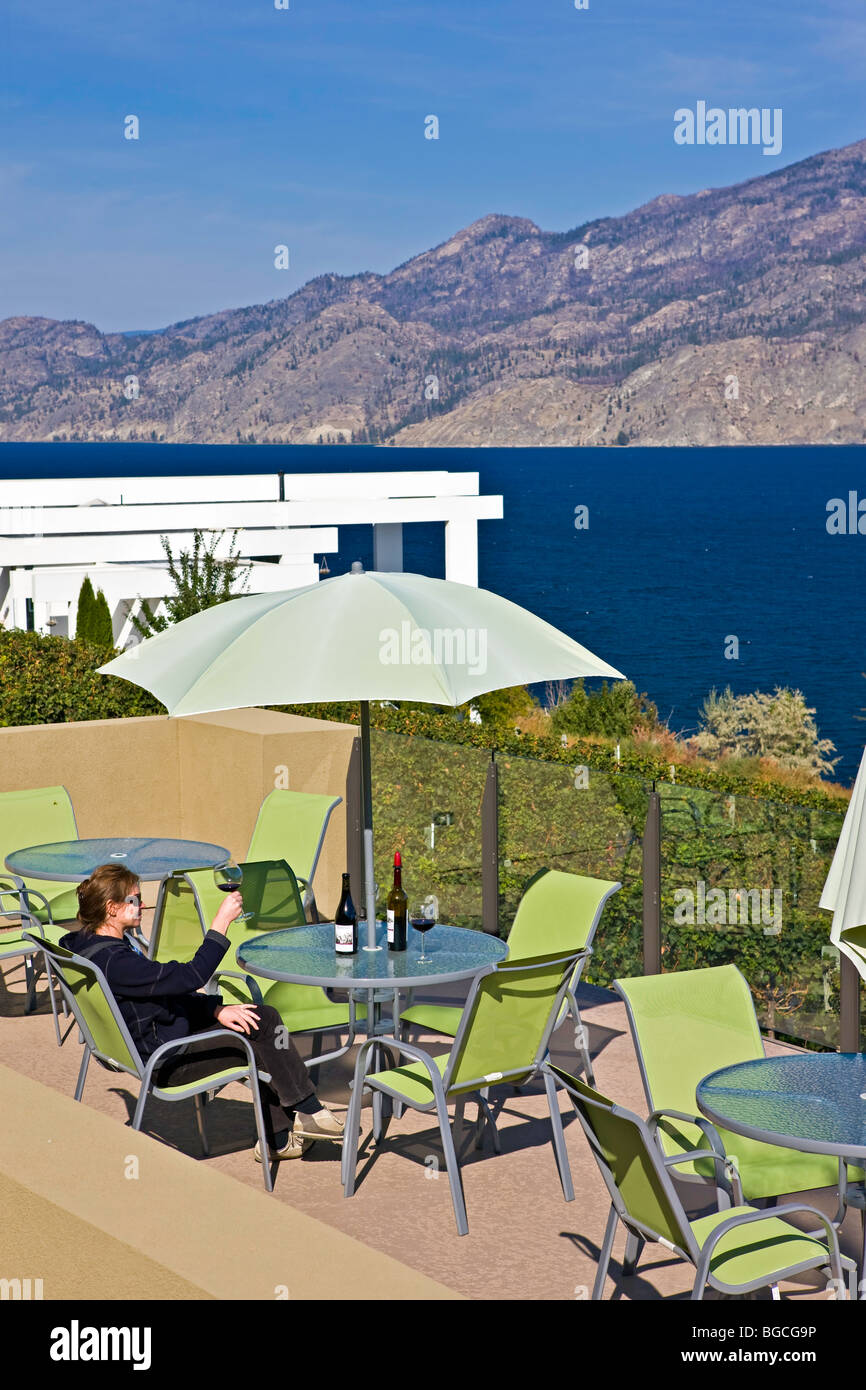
(367, 799)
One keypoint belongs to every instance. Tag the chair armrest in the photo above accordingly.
(24, 895)
(405, 1049)
(250, 981)
(707, 1129)
(17, 909)
(178, 1044)
(745, 1218)
(32, 926)
(34, 893)
(724, 1170)
(408, 1050)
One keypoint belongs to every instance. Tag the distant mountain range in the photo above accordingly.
(734, 315)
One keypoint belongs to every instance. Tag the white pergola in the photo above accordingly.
(53, 532)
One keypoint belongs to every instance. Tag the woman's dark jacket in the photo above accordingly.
(157, 1000)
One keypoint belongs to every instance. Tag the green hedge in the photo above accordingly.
(50, 680)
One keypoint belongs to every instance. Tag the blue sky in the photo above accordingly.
(306, 127)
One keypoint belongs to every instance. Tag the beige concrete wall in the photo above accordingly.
(120, 773)
(229, 762)
(182, 1230)
(200, 778)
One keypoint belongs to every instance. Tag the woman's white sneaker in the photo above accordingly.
(323, 1125)
(293, 1148)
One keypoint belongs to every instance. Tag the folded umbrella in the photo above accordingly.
(845, 888)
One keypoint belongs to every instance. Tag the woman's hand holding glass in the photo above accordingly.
(229, 877)
(231, 909)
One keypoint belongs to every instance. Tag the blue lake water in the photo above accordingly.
(685, 548)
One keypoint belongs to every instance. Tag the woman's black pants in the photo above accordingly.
(274, 1052)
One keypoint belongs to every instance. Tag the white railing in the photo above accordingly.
(54, 531)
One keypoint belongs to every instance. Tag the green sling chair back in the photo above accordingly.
(557, 912)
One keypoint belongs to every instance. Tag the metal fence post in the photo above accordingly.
(652, 887)
(849, 1005)
(354, 827)
(490, 849)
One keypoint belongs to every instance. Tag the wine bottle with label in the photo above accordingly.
(397, 909)
(346, 922)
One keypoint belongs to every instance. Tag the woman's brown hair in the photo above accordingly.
(108, 883)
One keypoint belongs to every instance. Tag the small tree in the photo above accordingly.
(200, 581)
(614, 711)
(779, 726)
(84, 612)
(102, 632)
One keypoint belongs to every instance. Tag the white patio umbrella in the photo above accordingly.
(360, 636)
(845, 888)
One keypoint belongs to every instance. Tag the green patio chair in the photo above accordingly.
(40, 816)
(19, 903)
(270, 890)
(734, 1250)
(685, 1025)
(557, 912)
(503, 1037)
(15, 904)
(292, 826)
(107, 1038)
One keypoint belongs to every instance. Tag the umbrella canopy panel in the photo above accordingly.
(365, 636)
(361, 636)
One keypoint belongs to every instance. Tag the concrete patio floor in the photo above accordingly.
(524, 1241)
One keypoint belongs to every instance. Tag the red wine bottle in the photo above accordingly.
(397, 909)
(346, 922)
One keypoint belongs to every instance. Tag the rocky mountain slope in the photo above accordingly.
(735, 315)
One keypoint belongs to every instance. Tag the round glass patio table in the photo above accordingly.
(307, 956)
(148, 859)
(813, 1102)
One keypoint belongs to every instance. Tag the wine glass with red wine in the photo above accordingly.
(229, 877)
(423, 917)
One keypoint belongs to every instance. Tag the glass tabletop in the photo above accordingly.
(815, 1101)
(147, 858)
(306, 955)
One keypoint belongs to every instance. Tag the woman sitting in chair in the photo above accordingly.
(160, 1003)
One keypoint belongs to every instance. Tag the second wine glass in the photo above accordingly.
(229, 878)
(422, 917)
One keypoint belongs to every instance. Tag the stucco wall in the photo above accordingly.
(201, 778)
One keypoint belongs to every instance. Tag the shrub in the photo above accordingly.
(614, 711)
(200, 581)
(52, 680)
(779, 726)
(502, 708)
